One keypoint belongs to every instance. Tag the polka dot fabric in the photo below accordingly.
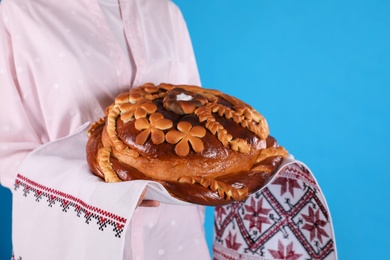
(60, 67)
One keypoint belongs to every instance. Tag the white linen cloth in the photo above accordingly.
(62, 211)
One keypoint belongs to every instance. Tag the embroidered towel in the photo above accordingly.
(288, 219)
(62, 211)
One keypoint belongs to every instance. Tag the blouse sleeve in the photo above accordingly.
(17, 136)
(188, 66)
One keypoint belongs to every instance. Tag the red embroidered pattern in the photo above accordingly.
(103, 218)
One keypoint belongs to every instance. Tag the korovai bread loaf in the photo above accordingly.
(204, 146)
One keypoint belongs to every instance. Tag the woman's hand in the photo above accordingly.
(147, 203)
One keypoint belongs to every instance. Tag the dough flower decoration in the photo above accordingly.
(149, 91)
(139, 110)
(185, 135)
(153, 127)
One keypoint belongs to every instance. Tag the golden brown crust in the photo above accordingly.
(199, 143)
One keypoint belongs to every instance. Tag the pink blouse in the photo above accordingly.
(60, 66)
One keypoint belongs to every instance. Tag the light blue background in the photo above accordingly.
(319, 72)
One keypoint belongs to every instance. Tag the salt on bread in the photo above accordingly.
(204, 146)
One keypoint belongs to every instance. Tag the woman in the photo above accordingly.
(62, 63)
